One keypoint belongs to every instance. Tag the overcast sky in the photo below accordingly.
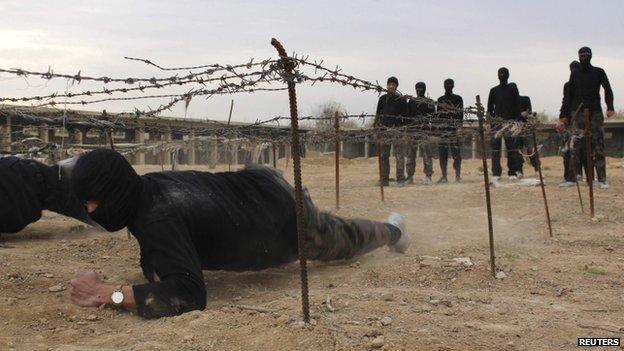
(415, 41)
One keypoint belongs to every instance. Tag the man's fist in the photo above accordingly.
(610, 113)
(87, 289)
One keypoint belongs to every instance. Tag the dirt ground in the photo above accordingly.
(556, 290)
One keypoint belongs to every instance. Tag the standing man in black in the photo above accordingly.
(584, 87)
(391, 108)
(451, 117)
(504, 105)
(422, 109)
(569, 152)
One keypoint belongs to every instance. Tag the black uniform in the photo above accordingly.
(391, 108)
(422, 112)
(189, 221)
(584, 87)
(451, 121)
(504, 105)
(27, 187)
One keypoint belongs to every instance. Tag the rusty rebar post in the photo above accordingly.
(486, 179)
(573, 161)
(539, 171)
(229, 148)
(381, 185)
(296, 149)
(589, 162)
(337, 155)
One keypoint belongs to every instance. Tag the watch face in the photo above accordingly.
(117, 297)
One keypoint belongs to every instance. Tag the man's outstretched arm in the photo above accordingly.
(176, 285)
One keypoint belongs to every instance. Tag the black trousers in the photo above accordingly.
(443, 153)
(514, 157)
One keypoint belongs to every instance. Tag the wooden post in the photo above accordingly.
(589, 161)
(486, 180)
(337, 154)
(539, 171)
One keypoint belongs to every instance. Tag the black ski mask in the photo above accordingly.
(20, 202)
(585, 56)
(106, 176)
(575, 66)
(449, 84)
(503, 75)
(421, 88)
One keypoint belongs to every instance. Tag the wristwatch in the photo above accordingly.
(117, 296)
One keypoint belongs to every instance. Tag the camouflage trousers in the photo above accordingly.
(427, 149)
(399, 154)
(329, 237)
(596, 132)
(405, 154)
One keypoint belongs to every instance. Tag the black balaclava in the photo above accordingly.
(575, 66)
(585, 56)
(421, 88)
(106, 176)
(449, 84)
(20, 196)
(503, 75)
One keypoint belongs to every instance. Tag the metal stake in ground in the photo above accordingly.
(539, 171)
(288, 66)
(229, 144)
(589, 161)
(381, 186)
(573, 160)
(486, 180)
(337, 154)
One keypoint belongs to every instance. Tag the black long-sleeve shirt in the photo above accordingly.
(584, 86)
(452, 119)
(504, 102)
(525, 104)
(390, 106)
(190, 221)
(421, 112)
(564, 102)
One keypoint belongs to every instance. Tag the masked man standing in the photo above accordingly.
(451, 115)
(584, 87)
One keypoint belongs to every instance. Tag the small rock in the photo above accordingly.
(92, 317)
(501, 275)
(534, 268)
(378, 342)
(48, 275)
(511, 343)
(387, 297)
(464, 261)
(297, 324)
(434, 302)
(56, 288)
(386, 321)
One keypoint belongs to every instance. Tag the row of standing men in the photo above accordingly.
(444, 129)
(505, 104)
